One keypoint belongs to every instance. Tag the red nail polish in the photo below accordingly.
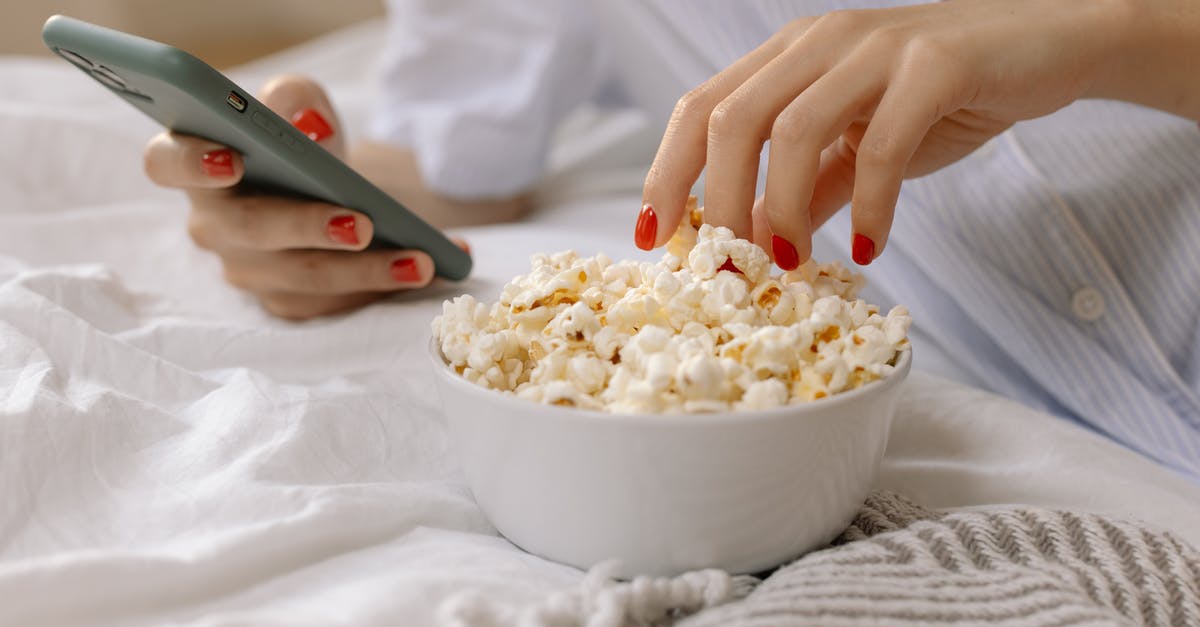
(646, 229)
(729, 267)
(406, 270)
(863, 249)
(341, 230)
(312, 124)
(217, 163)
(786, 256)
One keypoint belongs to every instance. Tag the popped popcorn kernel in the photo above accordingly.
(706, 329)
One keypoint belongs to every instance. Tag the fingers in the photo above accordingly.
(741, 123)
(293, 306)
(761, 229)
(682, 153)
(186, 162)
(461, 243)
(224, 222)
(732, 155)
(905, 113)
(834, 182)
(303, 102)
(321, 272)
(810, 123)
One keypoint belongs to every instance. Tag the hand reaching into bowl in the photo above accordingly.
(854, 102)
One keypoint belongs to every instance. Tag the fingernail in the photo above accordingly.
(217, 163)
(729, 267)
(863, 249)
(406, 270)
(646, 229)
(341, 230)
(312, 124)
(786, 256)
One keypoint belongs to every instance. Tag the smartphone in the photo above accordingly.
(188, 96)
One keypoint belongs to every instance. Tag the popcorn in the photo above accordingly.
(681, 335)
(766, 394)
(716, 245)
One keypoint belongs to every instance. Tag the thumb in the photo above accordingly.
(303, 102)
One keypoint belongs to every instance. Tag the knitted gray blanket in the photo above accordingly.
(901, 564)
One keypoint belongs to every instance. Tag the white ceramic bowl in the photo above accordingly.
(740, 491)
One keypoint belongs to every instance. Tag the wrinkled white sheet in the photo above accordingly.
(171, 455)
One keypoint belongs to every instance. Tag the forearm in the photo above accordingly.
(1155, 55)
(396, 172)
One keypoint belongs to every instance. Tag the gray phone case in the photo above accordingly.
(188, 96)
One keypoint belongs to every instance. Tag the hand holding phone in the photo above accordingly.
(270, 192)
(301, 258)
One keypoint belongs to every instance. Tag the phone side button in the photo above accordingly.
(290, 141)
(264, 122)
(274, 129)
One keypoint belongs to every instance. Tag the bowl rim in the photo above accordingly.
(787, 412)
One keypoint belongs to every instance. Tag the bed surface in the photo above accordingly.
(171, 454)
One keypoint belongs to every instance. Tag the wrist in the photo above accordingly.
(1122, 34)
(1150, 54)
(395, 171)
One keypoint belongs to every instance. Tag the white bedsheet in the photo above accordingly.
(171, 455)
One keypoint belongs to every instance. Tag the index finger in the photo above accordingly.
(187, 162)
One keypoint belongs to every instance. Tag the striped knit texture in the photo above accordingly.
(899, 564)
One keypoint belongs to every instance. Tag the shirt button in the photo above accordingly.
(1088, 304)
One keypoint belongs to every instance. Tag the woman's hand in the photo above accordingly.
(853, 102)
(300, 258)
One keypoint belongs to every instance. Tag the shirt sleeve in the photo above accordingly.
(477, 87)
